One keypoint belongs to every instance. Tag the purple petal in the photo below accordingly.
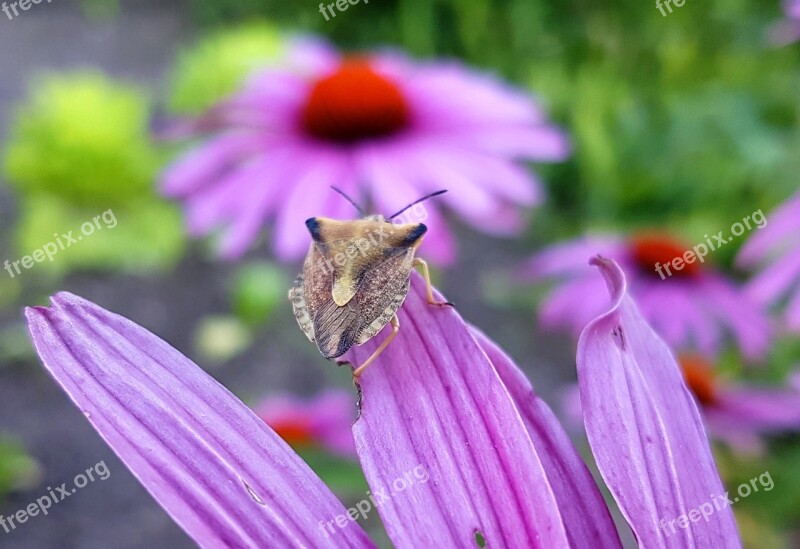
(244, 197)
(308, 195)
(433, 403)
(509, 180)
(540, 144)
(763, 409)
(586, 516)
(424, 164)
(573, 304)
(391, 190)
(784, 222)
(215, 467)
(747, 321)
(645, 431)
(569, 258)
(775, 280)
(452, 96)
(202, 164)
(310, 55)
(272, 98)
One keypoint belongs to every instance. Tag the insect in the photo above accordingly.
(355, 277)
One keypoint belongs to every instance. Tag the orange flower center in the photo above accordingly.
(296, 433)
(699, 377)
(650, 250)
(354, 103)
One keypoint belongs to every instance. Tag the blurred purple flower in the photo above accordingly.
(777, 248)
(454, 442)
(324, 420)
(690, 309)
(787, 31)
(736, 413)
(377, 126)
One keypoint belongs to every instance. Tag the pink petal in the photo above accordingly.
(308, 194)
(391, 190)
(569, 258)
(645, 431)
(759, 409)
(747, 321)
(586, 516)
(774, 235)
(771, 284)
(201, 165)
(215, 467)
(433, 403)
(541, 144)
(453, 96)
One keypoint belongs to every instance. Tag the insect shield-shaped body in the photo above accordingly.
(355, 277)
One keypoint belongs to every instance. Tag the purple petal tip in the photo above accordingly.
(613, 276)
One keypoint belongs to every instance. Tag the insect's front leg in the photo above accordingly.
(395, 322)
(426, 274)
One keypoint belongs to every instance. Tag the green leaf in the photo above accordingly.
(142, 236)
(83, 138)
(18, 471)
(259, 288)
(218, 64)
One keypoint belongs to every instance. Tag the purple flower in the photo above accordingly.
(690, 308)
(455, 444)
(377, 126)
(324, 420)
(777, 248)
(739, 414)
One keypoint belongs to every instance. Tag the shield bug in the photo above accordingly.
(355, 277)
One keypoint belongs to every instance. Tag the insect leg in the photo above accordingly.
(428, 286)
(395, 322)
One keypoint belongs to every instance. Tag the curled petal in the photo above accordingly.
(645, 430)
(213, 465)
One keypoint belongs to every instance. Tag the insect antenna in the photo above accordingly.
(350, 200)
(426, 197)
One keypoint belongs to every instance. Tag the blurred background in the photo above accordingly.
(684, 123)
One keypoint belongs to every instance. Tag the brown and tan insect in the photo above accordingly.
(355, 277)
